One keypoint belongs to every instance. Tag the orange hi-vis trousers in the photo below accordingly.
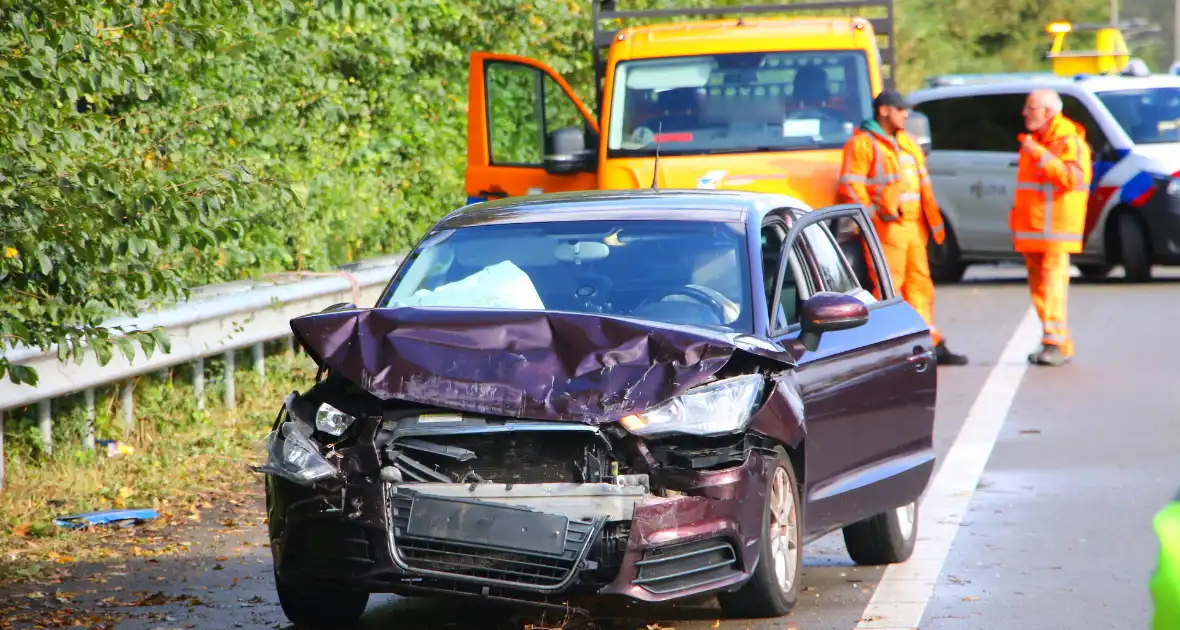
(904, 243)
(1048, 282)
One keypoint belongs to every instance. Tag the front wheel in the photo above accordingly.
(773, 589)
(886, 538)
(1134, 248)
(320, 606)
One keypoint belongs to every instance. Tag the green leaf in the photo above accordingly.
(126, 347)
(45, 262)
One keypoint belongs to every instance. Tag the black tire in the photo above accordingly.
(1134, 250)
(946, 264)
(320, 605)
(883, 539)
(762, 595)
(1096, 271)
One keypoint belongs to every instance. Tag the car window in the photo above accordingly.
(1147, 115)
(740, 101)
(680, 272)
(789, 297)
(1075, 110)
(851, 240)
(984, 122)
(833, 270)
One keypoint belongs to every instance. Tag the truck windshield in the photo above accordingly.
(738, 102)
(1148, 115)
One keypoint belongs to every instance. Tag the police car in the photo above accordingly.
(1132, 123)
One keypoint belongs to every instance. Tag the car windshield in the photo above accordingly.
(1148, 115)
(678, 272)
(738, 102)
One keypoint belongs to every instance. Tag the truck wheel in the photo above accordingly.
(1134, 250)
(320, 606)
(773, 589)
(886, 538)
(946, 263)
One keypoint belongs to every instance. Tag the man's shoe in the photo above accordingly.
(1048, 354)
(943, 356)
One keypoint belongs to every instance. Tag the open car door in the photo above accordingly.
(526, 131)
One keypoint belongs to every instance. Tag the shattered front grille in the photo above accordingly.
(485, 563)
(508, 457)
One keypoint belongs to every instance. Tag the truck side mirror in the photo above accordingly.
(566, 152)
(918, 126)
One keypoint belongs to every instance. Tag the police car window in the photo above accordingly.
(984, 122)
(833, 271)
(1079, 113)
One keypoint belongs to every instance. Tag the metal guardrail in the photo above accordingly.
(217, 320)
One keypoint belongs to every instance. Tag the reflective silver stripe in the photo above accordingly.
(938, 228)
(1057, 338)
(853, 178)
(909, 196)
(1045, 157)
(1028, 186)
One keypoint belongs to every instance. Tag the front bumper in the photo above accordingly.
(529, 541)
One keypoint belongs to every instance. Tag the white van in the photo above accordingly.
(1133, 127)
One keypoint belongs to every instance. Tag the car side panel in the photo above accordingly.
(869, 408)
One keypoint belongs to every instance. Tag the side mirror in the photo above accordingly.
(918, 126)
(566, 152)
(826, 311)
(339, 306)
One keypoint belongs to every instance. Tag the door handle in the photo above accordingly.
(921, 358)
(1014, 163)
(493, 194)
(940, 171)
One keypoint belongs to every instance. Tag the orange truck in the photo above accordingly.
(753, 101)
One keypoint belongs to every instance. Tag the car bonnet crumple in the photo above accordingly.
(539, 365)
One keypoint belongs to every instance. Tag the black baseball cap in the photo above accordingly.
(892, 98)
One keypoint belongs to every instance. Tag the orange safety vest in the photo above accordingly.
(888, 177)
(1052, 190)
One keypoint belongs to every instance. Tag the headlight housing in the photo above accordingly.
(1173, 188)
(332, 421)
(293, 455)
(714, 409)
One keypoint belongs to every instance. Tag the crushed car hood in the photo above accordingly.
(527, 364)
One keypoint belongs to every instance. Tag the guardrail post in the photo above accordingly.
(260, 362)
(230, 395)
(45, 421)
(127, 402)
(199, 382)
(88, 436)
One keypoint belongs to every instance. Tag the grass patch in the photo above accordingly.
(185, 460)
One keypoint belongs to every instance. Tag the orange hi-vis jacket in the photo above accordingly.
(888, 177)
(1052, 190)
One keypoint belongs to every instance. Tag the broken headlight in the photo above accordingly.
(714, 409)
(293, 455)
(332, 421)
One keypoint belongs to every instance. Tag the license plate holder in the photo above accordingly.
(480, 523)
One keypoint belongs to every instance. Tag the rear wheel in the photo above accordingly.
(946, 263)
(320, 606)
(773, 589)
(1134, 250)
(886, 538)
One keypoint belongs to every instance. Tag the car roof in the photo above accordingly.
(722, 206)
(998, 85)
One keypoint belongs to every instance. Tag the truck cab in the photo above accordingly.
(753, 102)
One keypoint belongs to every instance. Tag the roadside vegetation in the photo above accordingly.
(151, 146)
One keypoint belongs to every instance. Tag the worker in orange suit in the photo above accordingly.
(1049, 214)
(885, 171)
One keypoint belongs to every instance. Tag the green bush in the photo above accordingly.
(150, 146)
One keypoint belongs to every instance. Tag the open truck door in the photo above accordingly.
(526, 131)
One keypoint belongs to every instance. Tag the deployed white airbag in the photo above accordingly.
(502, 285)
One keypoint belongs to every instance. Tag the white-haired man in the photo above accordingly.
(1049, 214)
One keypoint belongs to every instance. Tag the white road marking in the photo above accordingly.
(904, 590)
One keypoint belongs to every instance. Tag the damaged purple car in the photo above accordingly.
(647, 394)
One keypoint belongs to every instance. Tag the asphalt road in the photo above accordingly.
(1057, 533)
